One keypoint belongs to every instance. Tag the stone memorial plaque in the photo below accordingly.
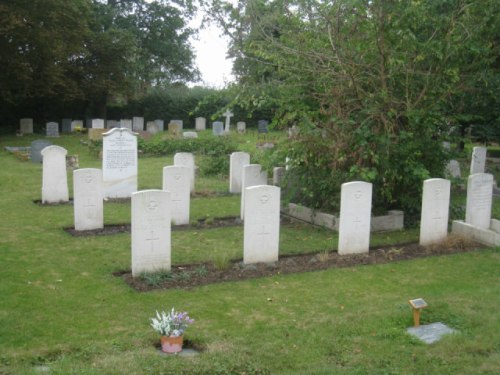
(355, 215)
(55, 181)
(88, 198)
(200, 123)
(479, 200)
(52, 129)
(236, 162)
(418, 303)
(434, 215)
(119, 163)
(186, 159)
(97, 123)
(261, 224)
(252, 175)
(26, 126)
(151, 241)
(177, 181)
(217, 128)
(478, 161)
(137, 124)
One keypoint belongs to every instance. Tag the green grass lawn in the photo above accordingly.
(63, 312)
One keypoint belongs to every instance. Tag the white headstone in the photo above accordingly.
(355, 212)
(186, 159)
(478, 161)
(262, 224)
(435, 207)
(252, 175)
(119, 163)
(152, 127)
(26, 126)
(228, 114)
(126, 124)
(200, 123)
(177, 180)
(97, 123)
(217, 128)
(76, 124)
(88, 195)
(179, 123)
(453, 169)
(479, 200)
(236, 162)
(278, 174)
(55, 179)
(137, 124)
(160, 124)
(151, 247)
(241, 127)
(52, 129)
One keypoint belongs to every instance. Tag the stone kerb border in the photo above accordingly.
(394, 220)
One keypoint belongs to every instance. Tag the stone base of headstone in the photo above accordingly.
(430, 333)
(96, 134)
(488, 237)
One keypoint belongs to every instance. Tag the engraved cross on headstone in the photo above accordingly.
(228, 115)
(152, 239)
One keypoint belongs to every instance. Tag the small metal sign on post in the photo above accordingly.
(417, 305)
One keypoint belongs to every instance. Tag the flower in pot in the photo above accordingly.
(171, 327)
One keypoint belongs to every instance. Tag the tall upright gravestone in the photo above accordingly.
(88, 198)
(177, 180)
(119, 163)
(435, 207)
(55, 179)
(66, 125)
(252, 175)
(478, 161)
(186, 159)
(151, 226)
(236, 162)
(26, 126)
(479, 200)
(52, 129)
(217, 128)
(200, 123)
(355, 215)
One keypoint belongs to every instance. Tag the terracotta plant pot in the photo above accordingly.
(170, 344)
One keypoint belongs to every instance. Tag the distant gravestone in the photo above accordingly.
(55, 181)
(278, 175)
(52, 129)
(453, 169)
(479, 200)
(152, 127)
(252, 175)
(435, 207)
(478, 161)
(241, 127)
(160, 125)
(200, 123)
(186, 159)
(190, 135)
(262, 126)
(177, 180)
(111, 124)
(293, 131)
(36, 149)
(76, 125)
(97, 123)
(261, 224)
(228, 114)
(119, 163)
(88, 123)
(126, 124)
(88, 198)
(217, 128)
(236, 162)
(26, 126)
(66, 125)
(137, 124)
(180, 123)
(96, 134)
(151, 246)
(355, 212)
(174, 129)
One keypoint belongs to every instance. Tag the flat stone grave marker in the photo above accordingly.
(137, 124)
(66, 125)
(186, 159)
(479, 200)
(217, 128)
(151, 241)
(36, 149)
(430, 333)
(478, 161)
(200, 123)
(252, 175)
(160, 124)
(236, 162)
(241, 127)
(97, 123)
(88, 195)
(26, 125)
(119, 163)
(52, 129)
(261, 224)
(176, 180)
(152, 127)
(55, 181)
(126, 123)
(435, 207)
(189, 135)
(262, 126)
(355, 212)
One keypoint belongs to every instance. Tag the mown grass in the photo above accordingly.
(63, 312)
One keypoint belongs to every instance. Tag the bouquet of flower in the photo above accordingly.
(172, 324)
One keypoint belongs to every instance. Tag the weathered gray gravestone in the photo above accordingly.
(236, 162)
(200, 123)
(119, 163)
(36, 149)
(217, 128)
(479, 200)
(138, 124)
(186, 159)
(177, 180)
(126, 123)
(478, 161)
(88, 195)
(261, 224)
(180, 124)
(76, 124)
(252, 175)
(262, 126)
(151, 226)
(97, 123)
(66, 125)
(278, 175)
(55, 182)
(152, 127)
(241, 127)
(52, 129)
(435, 207)
(453, 169)
(111, 124)
(160, 125)
(355, 212)
(26, 126)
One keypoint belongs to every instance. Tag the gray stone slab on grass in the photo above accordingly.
(430, 333)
